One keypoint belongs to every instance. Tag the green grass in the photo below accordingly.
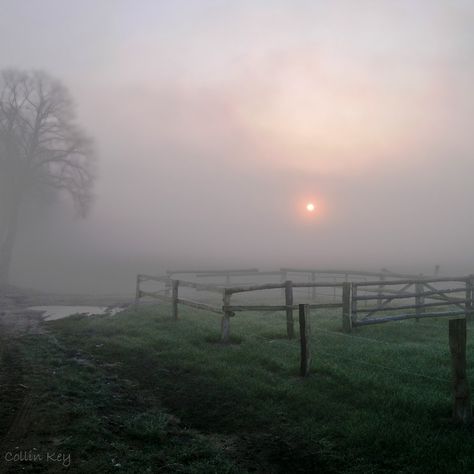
(138, 392)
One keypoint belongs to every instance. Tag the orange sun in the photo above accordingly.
(310, 207)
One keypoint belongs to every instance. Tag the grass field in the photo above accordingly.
(138, 393)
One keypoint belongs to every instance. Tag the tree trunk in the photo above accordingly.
(7, 242)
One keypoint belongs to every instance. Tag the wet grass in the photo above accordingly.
(137, 392)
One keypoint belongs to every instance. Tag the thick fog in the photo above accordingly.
(216, 122)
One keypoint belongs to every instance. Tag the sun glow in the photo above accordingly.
(311, 208)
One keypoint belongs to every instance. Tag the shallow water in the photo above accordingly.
(51, 313)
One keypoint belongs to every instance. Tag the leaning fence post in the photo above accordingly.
(289, 308)
(305, 334)
(174, 298)
(469, 305)
(462, 409)
(138, 293)
(346, 306)
(225, 324)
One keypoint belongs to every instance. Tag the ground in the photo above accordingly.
(139, 392)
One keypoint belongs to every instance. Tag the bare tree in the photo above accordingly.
(40, 146)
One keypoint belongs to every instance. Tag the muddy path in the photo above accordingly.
(17, 324)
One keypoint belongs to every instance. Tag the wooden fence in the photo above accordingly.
(455, 300)
(417, 297)
(414, 297)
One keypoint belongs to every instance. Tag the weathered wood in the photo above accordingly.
(157, 295)
(462, 409)
(346, 307)
(289, 309)
(225, 324)
(459, 302)
(402, 317)
(414, 280)
(380, 307)
(410, 295)
(305, 336)
(174, 298)
(203, 306)
(373, 310)
(243, 289)
(185, 302)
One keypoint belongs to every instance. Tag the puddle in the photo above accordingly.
(51, 313)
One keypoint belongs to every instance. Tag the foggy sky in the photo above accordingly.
(216, 121)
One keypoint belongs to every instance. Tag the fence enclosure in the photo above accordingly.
(363, 302)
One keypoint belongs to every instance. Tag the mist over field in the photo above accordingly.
(216, 122)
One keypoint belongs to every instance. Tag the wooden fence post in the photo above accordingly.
(305, 334)
(168, 283)
(380, 290)
(346, 306)
(313, 289)
(462, 409)
(225, 324)
(174, 296)
(137, 291)
(289, 308)
(419, 299)
(469, 305)
(354, 303)
(283, 280)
